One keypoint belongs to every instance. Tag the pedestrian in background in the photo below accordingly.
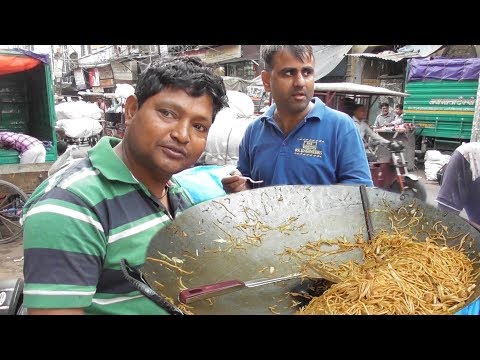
(366, 133)
(460, 189)
(398, 120)
(31, 150)
(385, 117)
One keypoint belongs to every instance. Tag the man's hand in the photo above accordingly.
(235, 182)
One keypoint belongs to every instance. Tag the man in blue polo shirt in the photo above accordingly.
(298, 140)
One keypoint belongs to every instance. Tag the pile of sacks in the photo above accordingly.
(79, 119)
(434, 160)
(228, 129)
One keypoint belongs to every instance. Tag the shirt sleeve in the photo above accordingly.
(64, 248)
(457, 179)
(397, 120)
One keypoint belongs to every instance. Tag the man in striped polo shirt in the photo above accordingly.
(80, 222)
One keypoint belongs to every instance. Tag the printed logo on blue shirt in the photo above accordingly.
(309, 148)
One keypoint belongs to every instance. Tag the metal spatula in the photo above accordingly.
(190, 295)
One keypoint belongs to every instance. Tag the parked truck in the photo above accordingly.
(442, 99)
(26, 106)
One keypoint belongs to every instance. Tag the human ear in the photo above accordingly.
(266, 80)
(131, 107)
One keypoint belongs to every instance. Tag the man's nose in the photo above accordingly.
(181, 132)
(299, 80)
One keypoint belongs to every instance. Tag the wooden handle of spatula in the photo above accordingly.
(190, 295)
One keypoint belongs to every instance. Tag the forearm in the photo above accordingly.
(375, 136)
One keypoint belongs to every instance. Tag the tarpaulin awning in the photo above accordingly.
(17, 60)
(236, 83)
(406, 52)
(327, 57)
(444, 69)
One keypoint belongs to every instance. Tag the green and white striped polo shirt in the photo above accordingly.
(79, 223)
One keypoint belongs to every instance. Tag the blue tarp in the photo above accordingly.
(203, 182)
(472, 309)
(443, 69)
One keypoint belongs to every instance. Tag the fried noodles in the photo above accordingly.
(400, 276)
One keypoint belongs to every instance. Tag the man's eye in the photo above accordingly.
(200, 127)
(165, 113)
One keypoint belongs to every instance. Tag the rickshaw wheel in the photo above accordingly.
(12, 200)
(414, 189)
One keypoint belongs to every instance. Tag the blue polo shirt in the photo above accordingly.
(324, 148)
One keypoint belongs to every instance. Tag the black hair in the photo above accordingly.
(400, 106)
(357, 106)
(348, 104)
(186, 73)
(301, 52)
(384, 104)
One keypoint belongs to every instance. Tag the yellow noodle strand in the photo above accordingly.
(400, 276)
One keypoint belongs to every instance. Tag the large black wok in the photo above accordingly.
(199, 241)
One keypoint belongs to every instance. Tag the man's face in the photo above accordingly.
(398, 111)
(291, 81)
(385, 110)
(360, 113)
(169, 132)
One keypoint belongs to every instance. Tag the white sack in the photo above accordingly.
(228, 129)
(77, 109)
(80, 128)
(434, 160)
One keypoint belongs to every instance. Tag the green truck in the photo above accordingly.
(442, 101)
(27, 106)
(26, 100)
